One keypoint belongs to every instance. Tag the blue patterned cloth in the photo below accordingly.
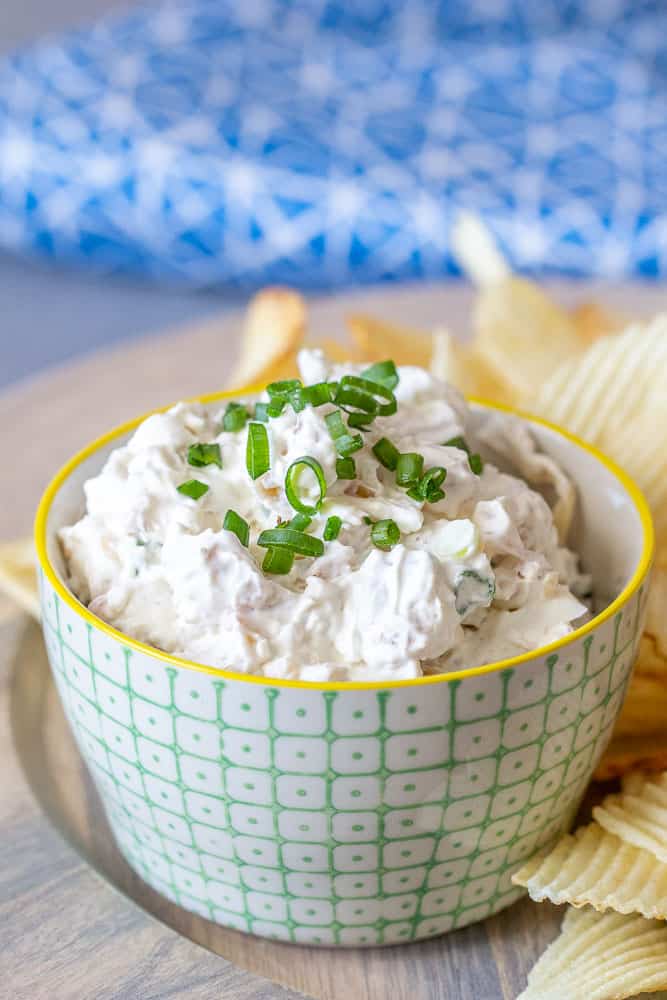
(324, 143)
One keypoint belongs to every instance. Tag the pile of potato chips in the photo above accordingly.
(605, 381)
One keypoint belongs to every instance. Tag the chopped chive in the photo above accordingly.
(430, 483)
(257, 450)
(416, 494)
(335, 425)
(297, 400)
(347, 444)
(409, 468)
(200, 455)
(357, 418)
(278, 561)
(345, 468)
(332, 528)
(299, 522)
(276, 407)
(235, 417)
(367, 520)
(386, 453)
(262, 412)
(282, 389)
(385, 534)
(291, 484)
(383, 373)
(319, 393)
(238, 526)
(476, 464)
(362, 393)
(297, 542)
(193, 488)
(457, 442)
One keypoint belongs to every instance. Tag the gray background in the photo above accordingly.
(47, 314)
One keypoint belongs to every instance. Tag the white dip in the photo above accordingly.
(476, 576)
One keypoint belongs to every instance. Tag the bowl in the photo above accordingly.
(348, 813)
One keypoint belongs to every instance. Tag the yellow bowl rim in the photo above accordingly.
(632, 489)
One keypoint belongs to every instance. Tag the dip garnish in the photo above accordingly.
(428, 487)
(297, 542)
(346, 444)
(292, 482)
(386, 453)
(262, 412)
(409, 468)
(382, 373)
(257, 450)
(193, 488)
(235, 417)
(332, 528)
(385, 534)
(345, 468)
(200, 455)
(237, 525)
(474, 460)
(278, 561)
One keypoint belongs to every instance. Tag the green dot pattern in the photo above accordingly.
(338, 817)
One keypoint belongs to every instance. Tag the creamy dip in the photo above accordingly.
(411, 584)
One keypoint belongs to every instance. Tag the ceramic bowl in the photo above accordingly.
(348, 813)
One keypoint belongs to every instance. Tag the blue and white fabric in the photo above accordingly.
(326, 143)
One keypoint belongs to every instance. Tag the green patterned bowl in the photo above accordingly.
(348, 813)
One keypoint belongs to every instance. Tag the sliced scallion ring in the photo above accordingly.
(235, 417)
(291, 484)
(409, 468)
(282, 389)
(386, 453)
(345, 468)
(332, 528)
(278, 561)
(385, 534)
(367, 391)
(193, 488)
(201, 455)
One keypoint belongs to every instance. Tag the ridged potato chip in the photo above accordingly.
(592, 320)
(274, 330)
(614, 397)
(594, 867)
(18, 574)
(522, 334)
(376, 340)
(601, 956)
(656, 614)
(638, 815)
(457, 364)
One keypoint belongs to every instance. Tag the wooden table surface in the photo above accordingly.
(75, 922)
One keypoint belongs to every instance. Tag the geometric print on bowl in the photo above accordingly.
(338, 817)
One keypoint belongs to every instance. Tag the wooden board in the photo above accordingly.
(65, 932)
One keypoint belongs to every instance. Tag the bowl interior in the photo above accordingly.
(607, 529)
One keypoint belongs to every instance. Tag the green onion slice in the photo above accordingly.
(473, 589)
(382, 373)
(257, 450)
(332, 528)
(278, 561)
(281, 390)
(262, 412)
(357, 418)
(299, 522)
(361, 393)
(297, 542)
(409, 468)
(476, 464)
(321, 392)
(276, 407)
(385, 534)
(193, 488)
(335, 424)
(347, 444)
(238, 526)
(235, 417)
(345, 468)
(200, 455)
(292, 482)
(458, 442)
(386, 453)
(297, 400)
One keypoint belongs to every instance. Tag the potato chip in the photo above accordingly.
(457, 364)
(592, 320)
(601, 956)
(522, 334)
(656, 614)
(638, 815)
(614, 397)
(18, 574)
(274, 330)
(476, 251)
(596, 868)
(641, 752)
(337, 350)
(377, 340)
